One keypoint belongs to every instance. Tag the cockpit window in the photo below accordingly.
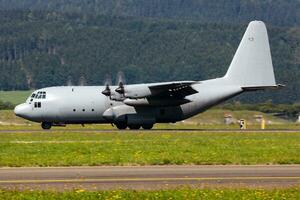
(33, 95)
(40, 95)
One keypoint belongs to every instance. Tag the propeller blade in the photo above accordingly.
(107, 83)
(107, 91)
(107, 80)
(120, 82)
(120, 78)
(120, 89)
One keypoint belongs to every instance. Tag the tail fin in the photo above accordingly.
(252, 66)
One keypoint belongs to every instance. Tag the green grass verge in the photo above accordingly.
(15, 97)
(206, 194)
(147, 148)
(179, 126)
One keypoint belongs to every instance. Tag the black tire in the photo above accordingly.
(46, 125)
(134, 126)
(147, 126)
(121, 126)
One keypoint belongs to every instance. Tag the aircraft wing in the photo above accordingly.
(160, 94)
(176, 90)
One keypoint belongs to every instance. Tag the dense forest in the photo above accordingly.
(47, 43)
(278, 12)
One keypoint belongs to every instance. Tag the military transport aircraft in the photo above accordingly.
(143, 105)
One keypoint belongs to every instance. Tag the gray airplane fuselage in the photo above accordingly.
(86, 104)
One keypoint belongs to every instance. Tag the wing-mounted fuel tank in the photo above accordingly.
(129, 115)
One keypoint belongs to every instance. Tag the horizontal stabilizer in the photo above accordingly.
(276, 87)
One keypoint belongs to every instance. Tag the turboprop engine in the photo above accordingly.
(122, 92)
(134, 91)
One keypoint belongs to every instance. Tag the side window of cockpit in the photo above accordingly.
(31, 98)
(37, 104)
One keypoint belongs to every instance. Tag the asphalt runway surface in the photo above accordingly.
(150, 177)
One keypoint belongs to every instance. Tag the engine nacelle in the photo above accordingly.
(137, 91)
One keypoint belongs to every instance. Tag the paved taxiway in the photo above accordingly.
(149, 177)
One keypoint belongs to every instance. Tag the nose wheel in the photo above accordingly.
(46, 125)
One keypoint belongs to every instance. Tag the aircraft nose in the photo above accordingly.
(22, 110)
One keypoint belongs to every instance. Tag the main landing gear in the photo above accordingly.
(120, 125)
(46, 125)
(123, 125)
(134, 126)
(147, 126)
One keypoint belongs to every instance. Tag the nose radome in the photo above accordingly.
(22, 110)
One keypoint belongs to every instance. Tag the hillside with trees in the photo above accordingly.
(277, 12)
(55, 44)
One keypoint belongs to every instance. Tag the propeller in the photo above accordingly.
(82, 80)
(118, 93)
(107, 83)
(120, 82)
(120, 89)
(107, 91)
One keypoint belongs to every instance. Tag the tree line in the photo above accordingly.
(277, 12)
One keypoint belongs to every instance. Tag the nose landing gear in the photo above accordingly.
(46, 125)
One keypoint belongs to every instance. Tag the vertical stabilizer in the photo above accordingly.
(252, 63)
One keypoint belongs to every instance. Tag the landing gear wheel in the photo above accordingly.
(134, 126)
(147, 126)
(121, 126)
(46, 125)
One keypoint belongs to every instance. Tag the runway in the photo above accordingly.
(150, 177)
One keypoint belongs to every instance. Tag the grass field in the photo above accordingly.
(15, 97)
(275, 194)
(147, 148)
